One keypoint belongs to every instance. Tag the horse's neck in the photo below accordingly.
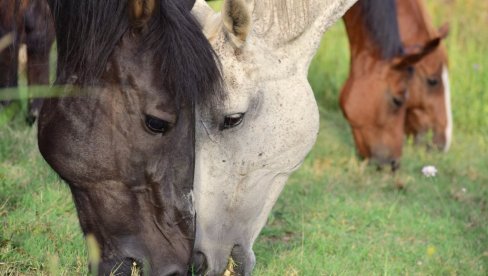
(415, 24)
(281, 21)
(360, 40)
(296, 26)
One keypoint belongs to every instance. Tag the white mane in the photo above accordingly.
(287, 19)
(296, 26)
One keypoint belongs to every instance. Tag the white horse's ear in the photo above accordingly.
(237, 19)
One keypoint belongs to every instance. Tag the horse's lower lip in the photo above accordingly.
(440, 146)
(394, 165)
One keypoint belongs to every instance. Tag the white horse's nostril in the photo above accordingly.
(199, 263)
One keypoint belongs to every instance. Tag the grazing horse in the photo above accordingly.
(123, 137)
(247, 148)
(374, 95)
(429, 101)
(29, 22)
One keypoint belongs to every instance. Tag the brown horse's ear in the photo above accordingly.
(236, 15)
(141, 11)
(444, 30)
(414, 54)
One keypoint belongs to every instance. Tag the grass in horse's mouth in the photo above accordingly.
(229, 270)
(135, 270)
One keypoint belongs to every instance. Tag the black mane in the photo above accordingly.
(381, 21)
(88, 30)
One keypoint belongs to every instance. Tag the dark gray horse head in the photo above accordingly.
(124, 141)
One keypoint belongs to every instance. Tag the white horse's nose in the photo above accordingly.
(210, 263)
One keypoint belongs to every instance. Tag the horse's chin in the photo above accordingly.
(393, 167)
(381, 163)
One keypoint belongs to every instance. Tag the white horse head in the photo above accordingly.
(247, 149)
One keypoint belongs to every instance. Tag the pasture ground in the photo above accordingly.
(337, 215)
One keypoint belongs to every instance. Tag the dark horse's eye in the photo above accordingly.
(432, 82)
(232, 120)
(156, 125)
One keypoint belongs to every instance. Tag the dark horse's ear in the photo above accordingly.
(414, 54)
(188, 4)
(141, 11)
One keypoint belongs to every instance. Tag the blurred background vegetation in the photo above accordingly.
(336, 215)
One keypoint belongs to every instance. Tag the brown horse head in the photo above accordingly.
(125, 142)
(428, 106)
(374, 96)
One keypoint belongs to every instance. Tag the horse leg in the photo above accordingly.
(37, 74)
(8, 69)
(40, 35)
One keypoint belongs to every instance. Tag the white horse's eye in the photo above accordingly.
(232, 120)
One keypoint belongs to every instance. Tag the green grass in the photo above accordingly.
(336, 215)
(339, 216)
(39, 223)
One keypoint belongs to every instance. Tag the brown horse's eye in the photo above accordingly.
(397, 102)
(156, 125)
(232, 120)
(410, 70)
(432, 82)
